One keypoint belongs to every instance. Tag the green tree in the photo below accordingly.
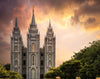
(7, 66)
(14, 75)
(90, 59)
(70, 69)
(3, 72)
(97, 66)
(53, 73)
(8, 74)
(87, 72)
(85, 63)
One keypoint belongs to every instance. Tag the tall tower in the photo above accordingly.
(33, 51)
(16, 50)
(49, 48)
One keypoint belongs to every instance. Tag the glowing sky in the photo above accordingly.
(75, 24)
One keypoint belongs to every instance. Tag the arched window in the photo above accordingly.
(24, 62)
(33, 60)
(33, 47)
(33, 73)
(42, 62)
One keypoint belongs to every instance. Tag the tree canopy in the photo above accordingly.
(7, 66)
(85, 63)
(8, 74)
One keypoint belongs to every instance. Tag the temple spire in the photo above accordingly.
(33, 18)
(16, 28)
(50, 30)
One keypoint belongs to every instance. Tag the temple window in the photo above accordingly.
(33, 47)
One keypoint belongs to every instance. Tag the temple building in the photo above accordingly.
(32, 62)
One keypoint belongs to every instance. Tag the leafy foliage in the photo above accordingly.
(7, 66)
(85, 63)
(68, 70)
(3, 72)
(8, 74)
(53, 73)
(14, 75)
(90, 59)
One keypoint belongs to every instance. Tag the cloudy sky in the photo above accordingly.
(75, 24)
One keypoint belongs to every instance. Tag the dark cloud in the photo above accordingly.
(90, 24)
(9, 10)
(58, 4)
(90, 20)
(2, 43)
(4, 51)
(87, 9)
(75, 19)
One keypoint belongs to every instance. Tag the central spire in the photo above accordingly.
(33, 18)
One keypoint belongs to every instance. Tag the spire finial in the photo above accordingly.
(16, 22)
(33, 8)
(49, 23)
(33, 17)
